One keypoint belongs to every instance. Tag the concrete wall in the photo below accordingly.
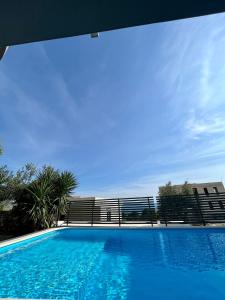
(210, 186)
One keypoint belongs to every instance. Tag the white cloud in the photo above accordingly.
(205, 83)
(192, 78)
(210, 125)
(194, 75)
(148, 185)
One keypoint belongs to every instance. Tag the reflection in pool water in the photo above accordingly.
(116, 264)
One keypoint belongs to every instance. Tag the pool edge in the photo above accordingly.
(27, 237)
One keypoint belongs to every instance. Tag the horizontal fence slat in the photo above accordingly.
(112, 210)
(186, 209)
(192, 209)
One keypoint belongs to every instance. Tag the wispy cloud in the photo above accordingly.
(207, 126)
(194, 74)
(192, 79)
(28, 120)
(126, 113)
(148, 185)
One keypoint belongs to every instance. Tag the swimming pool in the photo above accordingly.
(116, 264)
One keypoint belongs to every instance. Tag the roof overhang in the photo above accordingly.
(27, 21)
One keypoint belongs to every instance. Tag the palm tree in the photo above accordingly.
(62, 184)
(39, 214)
(45, 199)
(65, 183)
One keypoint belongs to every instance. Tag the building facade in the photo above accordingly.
(203, 188)
(206, 204)
(92, 209)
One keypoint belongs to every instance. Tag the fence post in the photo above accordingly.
(149, 207)
(199, 210)
(163, 209)
(68, 213)
(92, 212)
(119, 211)
(166, 213)
(166, 221)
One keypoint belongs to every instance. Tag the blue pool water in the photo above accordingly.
(97, 264)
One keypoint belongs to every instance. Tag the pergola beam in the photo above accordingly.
(27, 21)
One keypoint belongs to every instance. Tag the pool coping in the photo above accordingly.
(27, 237)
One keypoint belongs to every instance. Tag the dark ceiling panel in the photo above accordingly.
(23, 21)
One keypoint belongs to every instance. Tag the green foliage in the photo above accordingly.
(5, 175)
(148, 214)
(45, 199)
(25, 175)
(2, 206)
(175, 204)
(38, 197)
(170, 190)
(131, 216)
(10, 183)
(6, 178)
(145, 215)
(174, 208)
(186, 189)
(167, 190)
(40, 210)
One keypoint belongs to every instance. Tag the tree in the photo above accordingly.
(171, 190)
(64, 184)
(186, 189)
(175, 204)
(25, 175)
(10, 182)
(132, 216)
(40, 203)
(37, 197)
(6, 178)
(148, 214)
(5, 175)
(167, 190)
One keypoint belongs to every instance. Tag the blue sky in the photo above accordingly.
(126, 112)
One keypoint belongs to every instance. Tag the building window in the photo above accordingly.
(195, 191)
(215, 189)
(210, 205)
(221, 204)
(206, 191)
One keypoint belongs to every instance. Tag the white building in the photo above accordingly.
(91, 209)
